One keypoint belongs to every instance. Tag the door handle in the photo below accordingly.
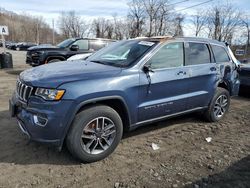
(213, 69)
(181, 73)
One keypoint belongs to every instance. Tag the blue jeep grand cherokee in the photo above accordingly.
(88, 104)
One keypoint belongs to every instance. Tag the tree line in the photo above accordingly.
(144, 18)
(222, 22)
(26, 28)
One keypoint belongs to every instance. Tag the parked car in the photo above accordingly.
(79, 57)
(245, 76)
(89, 104)
(24, 46)
(49, 54)
(11, 45)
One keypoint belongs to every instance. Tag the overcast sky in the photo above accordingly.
(51, 9)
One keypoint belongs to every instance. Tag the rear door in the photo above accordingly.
(163, 91)
(203, 73)
(228, 69)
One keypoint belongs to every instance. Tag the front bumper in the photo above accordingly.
(33, 60)
(57, 116)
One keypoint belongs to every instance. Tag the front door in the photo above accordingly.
(163, 91)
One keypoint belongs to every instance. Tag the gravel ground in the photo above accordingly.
(185, 158)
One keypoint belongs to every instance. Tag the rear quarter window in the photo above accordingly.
(220, 54)
(95, 45)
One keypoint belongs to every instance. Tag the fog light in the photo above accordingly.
(41, 121)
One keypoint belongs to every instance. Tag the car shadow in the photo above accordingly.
(17, 149)
(187, 118)
(14, 71)
(237, 175)
(244, 92)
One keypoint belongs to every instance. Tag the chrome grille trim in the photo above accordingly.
(23, 91)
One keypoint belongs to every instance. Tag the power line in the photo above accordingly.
(194, 5)
(178, 2)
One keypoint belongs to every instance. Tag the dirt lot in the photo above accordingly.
(185, 158)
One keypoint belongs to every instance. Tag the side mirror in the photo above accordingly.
(147, 68)
(74, 48)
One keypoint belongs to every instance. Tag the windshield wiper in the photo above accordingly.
(107, 63)
(97, 61)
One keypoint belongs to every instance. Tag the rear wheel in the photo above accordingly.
(218, 106)
(95, 133)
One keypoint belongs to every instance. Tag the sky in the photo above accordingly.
(89, 9)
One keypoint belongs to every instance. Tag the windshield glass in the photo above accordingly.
(65, 43)
(122, 53)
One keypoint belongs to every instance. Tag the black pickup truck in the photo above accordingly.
(39, 55)
(245, 76)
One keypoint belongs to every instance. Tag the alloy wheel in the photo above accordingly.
(220, 106)
(98, 135)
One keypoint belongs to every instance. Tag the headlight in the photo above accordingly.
(49, 94)
(37, 53)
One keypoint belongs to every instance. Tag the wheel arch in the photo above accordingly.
(224, 84)
(115, 102)
(54, 57)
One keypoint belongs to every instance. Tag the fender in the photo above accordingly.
(225, 83)
(94, 100)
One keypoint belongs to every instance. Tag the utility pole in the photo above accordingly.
(53, 32)
(37, 29)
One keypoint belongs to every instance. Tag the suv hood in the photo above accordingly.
(55, 74)
(44, 48)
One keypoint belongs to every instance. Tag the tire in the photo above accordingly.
(53, 60)
(81, 133)
(218, 106)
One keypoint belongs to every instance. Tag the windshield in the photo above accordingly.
(122, 53)
(65, 43)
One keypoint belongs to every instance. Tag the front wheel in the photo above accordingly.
(218, 106)
(95, 133)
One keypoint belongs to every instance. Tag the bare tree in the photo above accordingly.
(136, 17)
(120, 28)
(199, 21)
(223, 21)
(246, 25)
(72, 25)
(102, 28)
(152, 9)
(178, 26)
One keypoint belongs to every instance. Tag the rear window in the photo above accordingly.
(220, 54)
(95, 45)
(196, 53)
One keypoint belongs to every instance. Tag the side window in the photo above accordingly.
(95, 45)
(83, 44)
(220, 54)
(170, 55)
(196, 53)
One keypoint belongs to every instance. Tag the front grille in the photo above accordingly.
(23, 91)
